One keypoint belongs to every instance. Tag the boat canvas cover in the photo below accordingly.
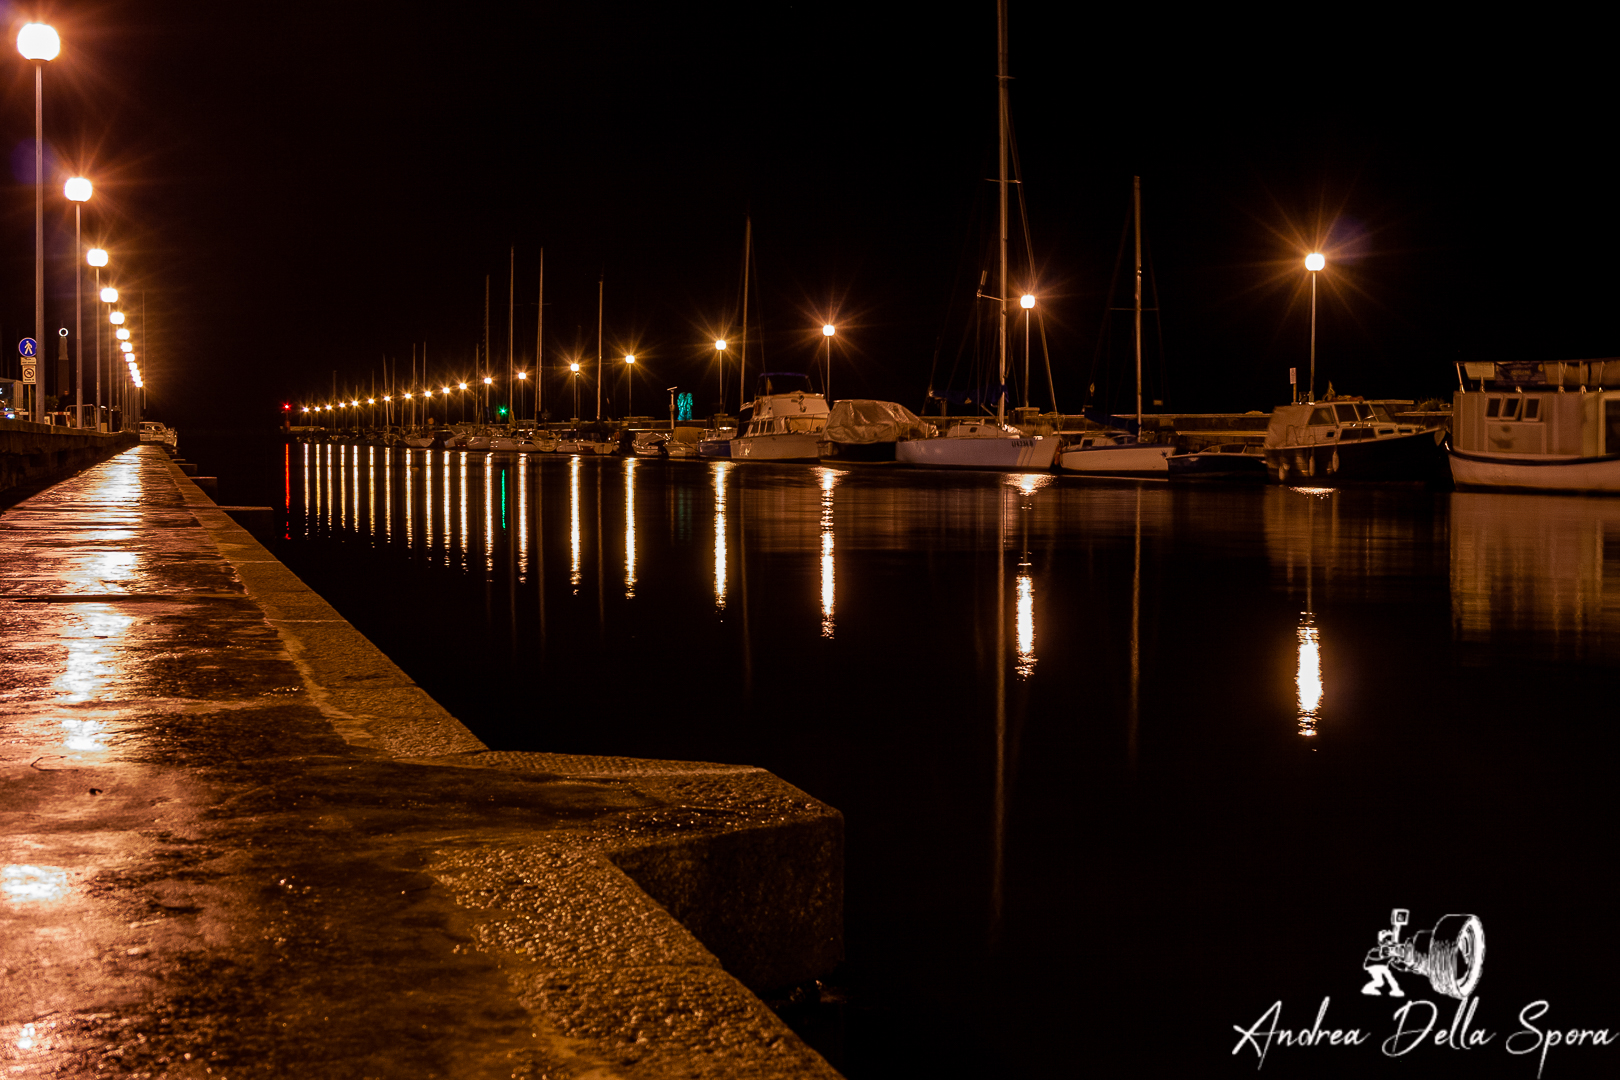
(858, 421)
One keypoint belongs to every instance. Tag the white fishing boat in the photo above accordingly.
(783, 422)
(1536, 427)
(977, 443)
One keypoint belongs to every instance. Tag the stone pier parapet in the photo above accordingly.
(238, 840)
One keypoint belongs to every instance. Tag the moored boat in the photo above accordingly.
(980, 444)
(868, 431)
(1117, 454)
(1349, 440)
(1536, 427)
(1228, 461)
(784, 421)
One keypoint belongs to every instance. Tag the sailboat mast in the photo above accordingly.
(540, 340)
(486, 353)
(511, 321)
(742, 355)
(1001, 292)
(600, 285)
(1136, 219)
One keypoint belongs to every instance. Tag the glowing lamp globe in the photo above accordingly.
(77, 189)
(630, 358)
(98, 257)
(487, 381)
(523, 374)
(1026, 301)
(574, 368)
(828, 330)
(1314, 261)
(720, 344)
(126, 346)
(116, 318)
(121, 334)
(109, 295)
(36, 41)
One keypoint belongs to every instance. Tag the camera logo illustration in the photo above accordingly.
(1451, 956)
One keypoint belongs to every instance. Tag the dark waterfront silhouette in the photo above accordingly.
(1113, 757)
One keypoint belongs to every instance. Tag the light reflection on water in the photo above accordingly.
(872, 635)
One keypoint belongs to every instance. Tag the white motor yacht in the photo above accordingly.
(784, 421)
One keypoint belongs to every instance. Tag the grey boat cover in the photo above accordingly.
(859, 421)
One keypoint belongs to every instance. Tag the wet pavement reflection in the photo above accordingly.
(1076, 728)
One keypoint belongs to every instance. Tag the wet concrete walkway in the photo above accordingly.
(236, 840)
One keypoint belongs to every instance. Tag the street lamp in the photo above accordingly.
(630, 379)
(97, 257)
(39, 43)
(574, 367)
(1313, 263)
(827, 331)
(524, 375)
(720, 357)
(77, 189)
(1027, 302)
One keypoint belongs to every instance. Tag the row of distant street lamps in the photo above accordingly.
(40, 43)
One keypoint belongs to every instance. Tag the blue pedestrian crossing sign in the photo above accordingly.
(28, 347)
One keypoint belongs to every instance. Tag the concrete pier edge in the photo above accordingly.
(632, 939)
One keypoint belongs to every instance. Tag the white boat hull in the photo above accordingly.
(1032, 453)
(1128, 459)
(792, 446)
(1595, 475)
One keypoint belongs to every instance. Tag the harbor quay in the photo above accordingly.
(239, 841)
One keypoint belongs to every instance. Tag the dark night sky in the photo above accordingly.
(301, 193)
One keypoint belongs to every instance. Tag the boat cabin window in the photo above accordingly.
(1493, 407)
(1510, 408)
(1346, 413)
(1322, 415)
(1611, 427)
(1381, 412)
(1532, 408)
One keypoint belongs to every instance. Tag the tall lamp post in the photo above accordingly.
(1027, 302)
(630, 378)
(77, 189)
(39, 43)
(720, 357)
(1313, 263)
(524, 376)
(574, 367)
(827, 331)
(97, 257)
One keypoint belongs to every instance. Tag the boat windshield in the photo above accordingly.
(782, 382)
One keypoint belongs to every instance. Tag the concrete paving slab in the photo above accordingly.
(233, 845)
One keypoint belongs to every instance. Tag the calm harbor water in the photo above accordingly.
(1122, 764)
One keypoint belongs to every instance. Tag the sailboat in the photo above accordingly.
(1119, 453)
(977, 443)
